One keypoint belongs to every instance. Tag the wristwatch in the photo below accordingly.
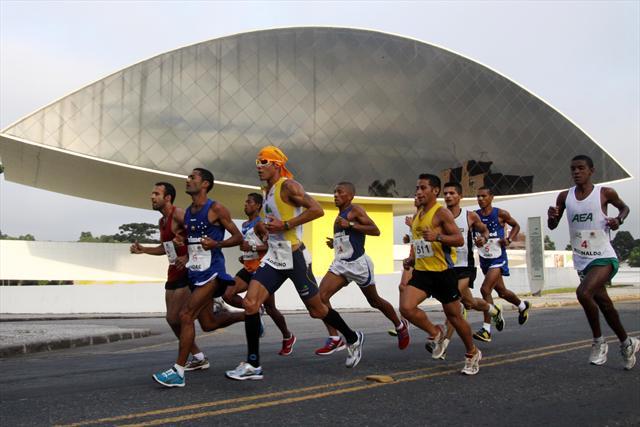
(254, 247)
(508, 240)
(351, 224)
(439, 238)
(620, 220)
(286, 225)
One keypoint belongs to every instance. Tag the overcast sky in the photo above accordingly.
(583, 58)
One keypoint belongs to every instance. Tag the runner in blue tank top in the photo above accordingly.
(493, 260)
(205, 222)
(351, 264)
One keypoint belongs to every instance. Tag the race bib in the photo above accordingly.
(589, 242)
(422, 249)
(199, 258)
(253, 239)
(170, 250)
(491, 250)
(342, 246)
(279, 255)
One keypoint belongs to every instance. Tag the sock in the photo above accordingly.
(252, 331)
(399, 326)
(179, 369)
(626, 342)
(521, 306)
(486, 327)
(334, 319)
(493, 310)
(334, 337)
(199, 356)
(599, 340)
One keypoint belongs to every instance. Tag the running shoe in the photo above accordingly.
(445, 344)
(245, 371)
(287, 346)
(355, 351)
(482, 335)
(437, 343)
(195, 364)
(472, 363)
(392, 332)
(629, 353)
(331, 346)
(523, 316)
(498, 318)
(403, 335)
(169, 378)
(599, 352)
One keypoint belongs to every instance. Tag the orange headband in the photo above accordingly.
(275, 155)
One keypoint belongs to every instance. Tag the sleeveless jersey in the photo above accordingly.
(492, 249)
(464, 253)
(430, 256)
(588, 228)
(251, 259)
(166, 237)
(348, 244)
(273, 205)
(203, 263)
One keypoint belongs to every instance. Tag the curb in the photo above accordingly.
(36, 347)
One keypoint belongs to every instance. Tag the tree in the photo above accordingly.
(634, 257)
(28, 237)
(568, 247)
(623, 243)
(386, 189)
(142, 232)
(549, 245)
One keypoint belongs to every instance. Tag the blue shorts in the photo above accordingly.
(301, 275)
(215, 271)
(501, 262)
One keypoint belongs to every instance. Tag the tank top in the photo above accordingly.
(464, 253)
(198, 226)
(492, 249)
(588, 228)
(251, 259)
(348, 244)
(273, 205)
(429, 256)
(172, 251)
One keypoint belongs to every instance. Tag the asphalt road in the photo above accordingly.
(536, 374)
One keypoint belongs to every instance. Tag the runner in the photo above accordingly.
(287, 207)
(593, 256)
(494, 262)
(469, 225)
(434, 233)
(350, 229)
(205, 222)
(177, 286)
(253, 248)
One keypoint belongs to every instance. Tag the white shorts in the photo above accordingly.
(359, 270)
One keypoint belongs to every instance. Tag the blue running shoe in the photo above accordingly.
(169, 378)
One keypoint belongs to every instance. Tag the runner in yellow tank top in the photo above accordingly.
(435, 233)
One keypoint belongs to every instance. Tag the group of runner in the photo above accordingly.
(440, 264)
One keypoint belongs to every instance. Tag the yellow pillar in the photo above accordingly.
(379, 248)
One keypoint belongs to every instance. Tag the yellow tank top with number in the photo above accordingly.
(274, 205)
(429, 256)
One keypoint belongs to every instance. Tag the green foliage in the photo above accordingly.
(623, 243)
(568, 247)
(141, 232)
(549, 245)
(634, 257)
(28, 237)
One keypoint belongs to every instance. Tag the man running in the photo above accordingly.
(177, 286)
(593, 256)
(205, 222)
(351, 263)
(434, 233)
(287, 207)
(469, 225)
(253, 248)
(494, 262)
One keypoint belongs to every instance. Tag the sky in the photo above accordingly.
(583, 58)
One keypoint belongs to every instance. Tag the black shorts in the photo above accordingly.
(243, 274)
(220, 289)
(466, 272)
(179, 283)
(301, 275)
(442, 285)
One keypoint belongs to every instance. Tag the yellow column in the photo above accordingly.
(379, 248)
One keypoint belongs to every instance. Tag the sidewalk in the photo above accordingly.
(31, 333)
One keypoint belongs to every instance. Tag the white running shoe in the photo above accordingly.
(245, 371)
(599, 352)
(445, 344)
(629, 353)
(437, 343)
(355, 351)
(472, 364)
(195, 364)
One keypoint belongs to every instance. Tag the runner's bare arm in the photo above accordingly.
(554, 213)
(361, 222)
(477, 225)
(506, 218)
(293, 193)
(611, 196)
(219, 213)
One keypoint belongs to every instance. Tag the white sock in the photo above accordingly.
(493, 310)
(199, 356)
(521, 306)
(179, 369)
(335, 338)
(598, 340)
(487, 327)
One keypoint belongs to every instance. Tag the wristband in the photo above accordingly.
(286, 225)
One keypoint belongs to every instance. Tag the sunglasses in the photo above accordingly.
(263, 162)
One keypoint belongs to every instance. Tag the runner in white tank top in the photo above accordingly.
(593, 256)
